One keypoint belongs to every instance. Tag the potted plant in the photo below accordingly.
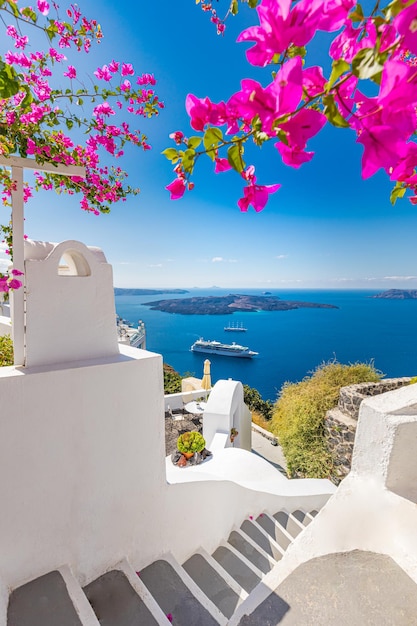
(190, 442)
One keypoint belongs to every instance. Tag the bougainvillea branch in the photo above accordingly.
(379, 48)
(41, 120)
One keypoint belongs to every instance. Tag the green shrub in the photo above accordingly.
(191, 441)
(6, 351)
(298, 416)
(253, 400)
(172, 380)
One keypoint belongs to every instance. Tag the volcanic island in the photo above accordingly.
(232, 303)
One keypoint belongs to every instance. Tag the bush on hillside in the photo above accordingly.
(172, 380)
(253, 400)
(298, 415)
(6, 351)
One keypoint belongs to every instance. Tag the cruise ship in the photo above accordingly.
(223, 349)
(235, 328)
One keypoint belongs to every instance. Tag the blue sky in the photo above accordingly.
(325, 227)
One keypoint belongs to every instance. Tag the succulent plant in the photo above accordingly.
(191, 441)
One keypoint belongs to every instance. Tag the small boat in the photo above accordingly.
(223, 349)
(235, 328)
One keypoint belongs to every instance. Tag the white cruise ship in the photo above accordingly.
(223, 349)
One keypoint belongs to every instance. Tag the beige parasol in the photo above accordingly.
(206, 380)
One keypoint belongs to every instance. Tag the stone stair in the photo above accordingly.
(205, 590)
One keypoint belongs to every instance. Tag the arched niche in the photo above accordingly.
(73, 263)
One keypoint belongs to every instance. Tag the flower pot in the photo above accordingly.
(188, 455)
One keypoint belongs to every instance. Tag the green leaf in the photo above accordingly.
(212, 138)
(69, 123)
(366, 64)
(9, 81)
(260, 137)
(234, 8)
(13, 8)
(253, 3)
(398, 192)
(297, 51)
(396, 7)
(188, 160)
(339, 67)
(234, 156)
(29, 13)
(171, 154)
(283, 136)
(194, 142)
(332, 112)
(357, 14)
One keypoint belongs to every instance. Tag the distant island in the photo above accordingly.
(397, 294)
(119, 291)
(226, 305)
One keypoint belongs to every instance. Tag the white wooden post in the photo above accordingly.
(18, 164)
(18, 295)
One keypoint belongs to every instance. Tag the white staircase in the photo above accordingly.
(205, 590)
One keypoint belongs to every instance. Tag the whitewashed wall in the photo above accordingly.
(226, 410)
(81, 459)
(70, 310)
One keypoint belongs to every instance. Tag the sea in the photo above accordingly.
(291, 344)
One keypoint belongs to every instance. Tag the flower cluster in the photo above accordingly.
(37, 118)
(379, 48)
(9, 281)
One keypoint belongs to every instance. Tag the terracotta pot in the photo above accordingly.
(188, 455)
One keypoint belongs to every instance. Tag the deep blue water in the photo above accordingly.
(290, 343)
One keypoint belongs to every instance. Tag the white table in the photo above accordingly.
(197, 408)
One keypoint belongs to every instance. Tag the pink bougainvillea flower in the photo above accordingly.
(398, 85)
(346, 97)
(222, 165)
(4, 287)
(103, 73)
(253, 100)
(335, 13)
(17, 272)
(146, 79)
(293, 155)
(178, 136)
(304, 125)
(287, 86)
(103, 108)
(202, 111)
(176, 188)
(383, 148)
(313, 81)
(43, 7)
(279, 26)
(114, 66)
(351, 40)
(14, 283)
(126, 85)
(127, 69)
(170, 617)
(71, 72)
(406, 25)
(277, 100)
(404, 170)
(255, 195)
